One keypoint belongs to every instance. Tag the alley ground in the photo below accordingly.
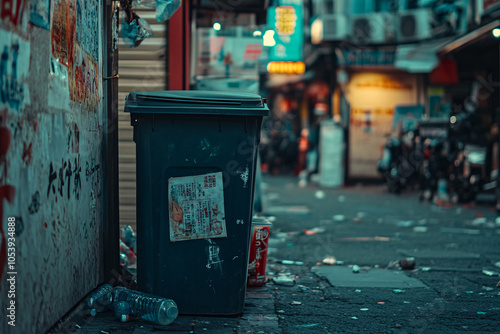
(452, 289)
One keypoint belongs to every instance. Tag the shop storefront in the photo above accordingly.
(374, 93)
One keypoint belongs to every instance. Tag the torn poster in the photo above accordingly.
(196, 207)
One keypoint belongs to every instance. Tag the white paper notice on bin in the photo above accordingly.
(196, 207)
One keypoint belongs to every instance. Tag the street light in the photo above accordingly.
(216, 26)
(496, 32)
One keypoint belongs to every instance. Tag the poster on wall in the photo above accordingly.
(14, 91)
(40, 13)
(75, 44)
(63, 29)
(83, 79)
(196, 207)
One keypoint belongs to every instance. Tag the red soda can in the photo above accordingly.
(258, 252)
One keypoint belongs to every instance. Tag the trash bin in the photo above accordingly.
(196, 160)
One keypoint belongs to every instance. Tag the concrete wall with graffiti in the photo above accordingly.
(51, 137)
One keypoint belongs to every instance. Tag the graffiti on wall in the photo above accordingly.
(7, 191)
(50, 177)
(87, 26)
(15, 52)
(62, 176)
(40, 12)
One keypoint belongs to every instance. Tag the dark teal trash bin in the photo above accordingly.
(196, 162)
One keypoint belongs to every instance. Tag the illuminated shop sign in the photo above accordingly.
(287, 21)
(289, 67)
(368, 57)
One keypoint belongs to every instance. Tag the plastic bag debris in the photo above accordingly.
(166, 8)
(145, 3)
(136, 31)
(128, 236)
(296, 303)
(131, 257)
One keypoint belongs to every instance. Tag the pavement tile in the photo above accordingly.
(215, 322)
(438, 254)
(382, 278)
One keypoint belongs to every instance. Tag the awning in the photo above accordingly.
(421, 57)
(276, 79)
(471, 37)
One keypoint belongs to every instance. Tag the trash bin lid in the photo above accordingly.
(195, 102)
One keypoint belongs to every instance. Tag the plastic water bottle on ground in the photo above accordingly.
(162, 311)
(122, 311)
(100, 299)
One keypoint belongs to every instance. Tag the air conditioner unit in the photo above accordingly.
(373, 28)
(322, 7)
(414, 25)
(329, 28)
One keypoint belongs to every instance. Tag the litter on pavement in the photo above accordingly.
(329, 260)
(290, 262)
(376, 238)
(407, 263)
(314, 231)
(284, 280)
(320, 194)
(490, 273)
(339, 218)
